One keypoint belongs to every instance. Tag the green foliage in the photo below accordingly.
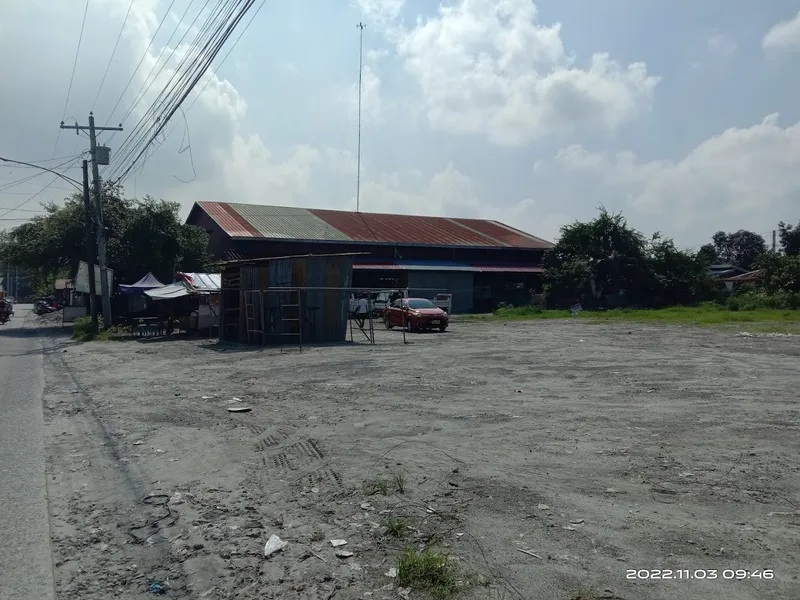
(375, 486)
(781, 272)
(749, 307)
(143, 235)
(396, 528)
(741, 248)
(606, 257)
(605, 253)
(790, 238)
(83, 332)
(707, 255)
(428, 571)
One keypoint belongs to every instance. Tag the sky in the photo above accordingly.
(683, 116)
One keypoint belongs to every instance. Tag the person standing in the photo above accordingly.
(362, 310)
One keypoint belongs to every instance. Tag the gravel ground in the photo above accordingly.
(598, 448)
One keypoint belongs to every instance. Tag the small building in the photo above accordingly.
(480, 262)
(291, 299)
(719, 271)
(748, 279)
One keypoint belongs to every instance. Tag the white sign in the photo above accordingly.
(82, 279)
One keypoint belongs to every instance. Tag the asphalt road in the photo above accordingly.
(26, 568)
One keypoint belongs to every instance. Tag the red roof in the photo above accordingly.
(268, 222)
(229, 220)
(749, 277)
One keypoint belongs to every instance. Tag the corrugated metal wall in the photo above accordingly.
(323, 312)
(459, 283)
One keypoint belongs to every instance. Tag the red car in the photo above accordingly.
(417, 314)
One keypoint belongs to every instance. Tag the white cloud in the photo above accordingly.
(451, 193)
(721, 45)
(253, 175)
(161, 61)
(370, 96)
(739, 172)
(380, 11)
(784, 35)
(486, 67)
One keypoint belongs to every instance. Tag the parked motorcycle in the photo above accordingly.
(42, 308)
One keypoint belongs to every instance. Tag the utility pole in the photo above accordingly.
(360, 70)
(16, 283)
(98, 207)
(773, 240)
(91, 252)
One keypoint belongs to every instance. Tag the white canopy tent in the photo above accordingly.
(188, 284)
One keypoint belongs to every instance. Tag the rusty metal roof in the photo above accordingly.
(505, 234)
(291, 223)
(434, 265)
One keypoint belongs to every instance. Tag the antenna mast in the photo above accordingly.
(360, 69)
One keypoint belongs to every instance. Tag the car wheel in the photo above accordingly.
(387, 322)
(442, 329)
(410, 325)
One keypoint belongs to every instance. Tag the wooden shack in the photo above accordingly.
(286, 300)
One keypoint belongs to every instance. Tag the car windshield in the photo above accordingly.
(421, 304)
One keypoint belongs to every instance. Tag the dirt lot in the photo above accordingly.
(598, 448)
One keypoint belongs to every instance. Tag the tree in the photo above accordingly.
(143, 235)
(600, 258)
(790, 238)
(781, 273)
(741, 248)
(707, 254)
(678, 277)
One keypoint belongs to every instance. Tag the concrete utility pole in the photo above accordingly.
(98, 207)
(773, 240)
(91, 251)
(360, 70)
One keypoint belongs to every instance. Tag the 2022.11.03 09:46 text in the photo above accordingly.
(699, 574)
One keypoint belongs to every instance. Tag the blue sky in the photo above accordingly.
(685, 117)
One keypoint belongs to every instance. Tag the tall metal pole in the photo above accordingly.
(360, 69)
(91, 253)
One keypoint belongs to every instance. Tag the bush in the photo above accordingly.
(82, 331)
(759, 299)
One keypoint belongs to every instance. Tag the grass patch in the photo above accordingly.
(376, 486)
(82, 331)
(428, 571)
(706, 314)
(399, 481)
(396, 528)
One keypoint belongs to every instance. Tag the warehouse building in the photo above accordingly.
(480, 262)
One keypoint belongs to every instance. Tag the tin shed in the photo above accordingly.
(292, 299)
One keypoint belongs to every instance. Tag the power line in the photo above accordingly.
(198, 64)
(72, 77)
(111, 59)
(40, 191)
(138, 134)
(215, 70)
(26, 193)
(44, 160)
(35, 175)
(224, 58)
(27, 210)
(141, 60)
(140, 95)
